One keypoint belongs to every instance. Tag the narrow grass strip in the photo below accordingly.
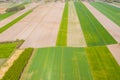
(95, 34)
(102, 63)
(17, 68)
(110, 11)
(14, 21)
(62, 34)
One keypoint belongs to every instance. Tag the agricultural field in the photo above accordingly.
(61, 40)
(108, 10)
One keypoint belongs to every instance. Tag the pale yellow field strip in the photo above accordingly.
(115, 50)
(4, 68)
(75, 37)
(110, 26)
(45, 33)
(11, 18)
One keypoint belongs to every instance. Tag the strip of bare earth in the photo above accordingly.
(75, 34)
(110, 26)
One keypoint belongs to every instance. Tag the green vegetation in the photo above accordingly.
(62, 35)
(58, 63)
(95, 34)
(102, 63)
(7, 48)
(14, 21)
(5, 15)
(16, 69)
(110, 11)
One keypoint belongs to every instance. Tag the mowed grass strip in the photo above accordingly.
(7, 48)
(62, 34)
(102, 63)
(5, 15)
(2, 29)
(95, 34)
(58, 63)
(110, 11)
(16, 69)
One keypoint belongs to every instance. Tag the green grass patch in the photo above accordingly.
(62, 34)
(110, 11)
(7, 48)
(102, 63)
(94, 33)
(5, 15)
(58, 63)
(14, 21)
(16, 69)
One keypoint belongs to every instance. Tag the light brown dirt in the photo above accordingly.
(4, 68)
(11, 18)
(39, 29)
(45, 33)
(75, 34)
(110, 26)
(115, 50)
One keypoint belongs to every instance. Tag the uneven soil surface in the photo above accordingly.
(110, 26)
(115, 50)
(75, 34)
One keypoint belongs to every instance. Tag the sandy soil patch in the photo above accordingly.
(75, 34)
(2, 60)
(110, 26)
(45, 33)
(9, 62)
(2, 10)
(115, 50)
(11, 18)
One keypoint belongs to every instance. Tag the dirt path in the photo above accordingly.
(11, 18)
(115, 50)
(9, 62)
(45, 33)
(110, 26)
(75, 34)
(23, 28)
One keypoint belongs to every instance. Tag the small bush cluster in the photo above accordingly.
(16, 8)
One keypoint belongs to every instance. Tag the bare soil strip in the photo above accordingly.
(45, 33)
(115, 50)
(9, 62)
(11, 18)
(75, 34)
(110, 26)
(23, 28)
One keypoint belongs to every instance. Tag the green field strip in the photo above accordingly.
(62, 34)
(14, 72)
(102, 63)
(7, 48)
(94, 33)
(110, 11)
(6, 15)
(58, 63)
(2, 29)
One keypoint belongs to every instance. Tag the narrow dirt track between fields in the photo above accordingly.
(110, 26)
(11, 18)
(4, 68)
(115, 50)
(45, 33)
(75, 34)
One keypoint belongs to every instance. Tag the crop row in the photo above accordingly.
(16, 69)
(110, 11)
(94, 33)
(62, 34)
